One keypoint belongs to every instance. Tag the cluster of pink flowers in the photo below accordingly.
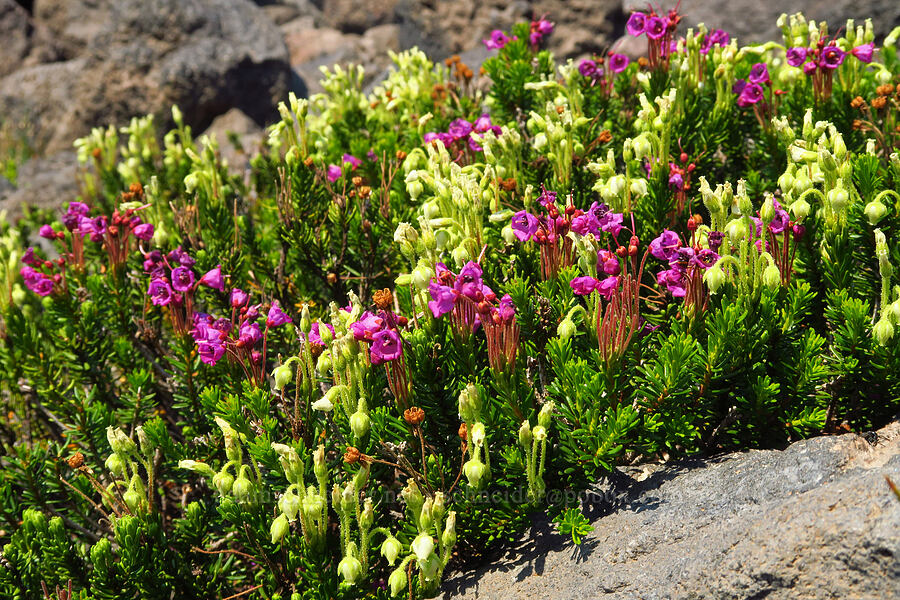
(172, 279)
(593, 69)
(539, 30)
(820, 62)
(660, 33)
(461, 131)
(113, 232)
(498, 40)
(380, 331)
(470, 303)
(750, 90)
(686, 263)
(334, 172)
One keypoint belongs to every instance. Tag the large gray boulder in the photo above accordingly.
(133, 57)
(816, 520)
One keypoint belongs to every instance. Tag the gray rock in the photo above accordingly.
(207, 56)
(15, 31)
(42, 182)
(813, 521)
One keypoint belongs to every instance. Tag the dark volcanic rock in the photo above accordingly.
(207, 56)
(813, 521)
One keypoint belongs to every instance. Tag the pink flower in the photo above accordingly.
(497, 40)
(314, 337)
(46, 231)
(582, 286)
(617, 62)
(606, 287)
(656, 28)
(160, 293)
(351, 160)
(759, 74)
(366, 326)
(386, 345)
(468, 282)
(637, 24)
(144, 231)
(182, 279)
(214, 279)
(524, 225)
(239, 298)
(442, 299)
(276, 316)
(333, 173)
(796, 56)
(664, 246)
(863, 53)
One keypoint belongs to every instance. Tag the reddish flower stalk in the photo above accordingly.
(502, 341)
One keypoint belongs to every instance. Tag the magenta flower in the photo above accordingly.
(276, 316)
(751, 94)
(506, 310)
(366, 326)
(468, 282)
(46, 231)
(182, 279)
(160, 292)
(144, 231)
(351, 160)
(588, 68)
(810, 68)
(781, 221)
(611, 223)
(637, 24)
(617, 63)
(442, 299)
(832, 57)
(483, 124)
(606, 287)
(863, 53)
(582, 286)
(608, 263)
(497, 40)
(524, 225)
(29, 258)
(664, 246)
(759, 74)
(796, 56)
(239, 298)
(214, 279)
(674, 281)
(249, 335)
(656, 28)
(37, 282)
(540, 29)
(314, 337)
(386, 345)
(333, 173)
(676, 180)
(459, 129)
(705, 258)
(585, 224)
(210, 352)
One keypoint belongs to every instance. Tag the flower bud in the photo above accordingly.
(771, 277)
(426, 516)
(423, 546)
(312, 504)
(540, 433)
(397, 581)
(223, 481)
(875, 211)
(116, 466)
(883, 331)
(367, 516)
(323, 405)
(359, 424)
(566, 328)
(119, 442)
(736, 231)
(132, 500)
(438, 508)
(638, 188)
(413, 498)
(714, 278)
(191, 465)
(283, 376)
(448, 539)
(305, 321)
(525, 436)
(545, 415)
(350, 568)
(325, 333)
(508, 235)
(800, 209)
(478, 434)
(391, 549)
(767, 211)
(475, 471)
(279, 528)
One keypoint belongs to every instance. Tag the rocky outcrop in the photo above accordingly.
(130, 57)
(815, 520)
